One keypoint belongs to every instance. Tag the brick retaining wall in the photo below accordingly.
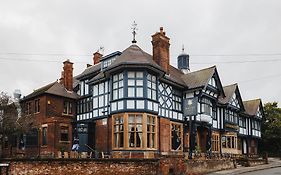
(163, 166)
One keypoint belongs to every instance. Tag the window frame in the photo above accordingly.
(64, 128)
(44, 136)
(144, 132)
(180, 134)
(37, 105)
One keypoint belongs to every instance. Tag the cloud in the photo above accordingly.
(69, 27)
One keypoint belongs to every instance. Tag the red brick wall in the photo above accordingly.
(166, 165)
(103, 135)
(164, 134)
(94, 167)
(51, 114)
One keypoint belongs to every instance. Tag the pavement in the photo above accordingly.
(272, 163)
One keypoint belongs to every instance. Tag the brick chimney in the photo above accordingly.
(161, 47)
(97, 57)
(68, 75)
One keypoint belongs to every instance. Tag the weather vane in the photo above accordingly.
(134, 32)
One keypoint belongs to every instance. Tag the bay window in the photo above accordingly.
(134, 131)
(206, 106)
(135, 84)
(118, 87)
(151, 87)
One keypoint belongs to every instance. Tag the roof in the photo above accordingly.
(89, 70)
(198, 78)
(228, 91)
(136, 56)
(175, 75)
(54, 88)
(252, 106)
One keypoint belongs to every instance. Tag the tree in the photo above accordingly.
(8, 115)
(271, 129)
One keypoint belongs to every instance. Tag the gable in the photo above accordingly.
(215, 84)
(234, 101)
(212, 82)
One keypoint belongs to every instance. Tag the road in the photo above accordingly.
(272, 171)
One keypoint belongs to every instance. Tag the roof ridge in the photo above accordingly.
(214, 66)
(256, 99)
(50, 84)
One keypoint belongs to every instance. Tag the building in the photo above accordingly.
(49, 112)
(134, 104)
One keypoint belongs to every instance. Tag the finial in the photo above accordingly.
(182, 48)
(134, 32)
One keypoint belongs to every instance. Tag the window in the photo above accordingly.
(67, 107)
(151, 131)
(119, 131)
(28, 108)
(256, 125)
(44, 136)
(151, 87)
(64, 133)
(176, 136)
(37, 105)
(31, 138)
(117, 90)
(6, 142)
(135, 84)
(177, 100)
(134, 131)
(215, 142)
(101, 97)
(206, 106)
(212, 82)
(229, 142)
(242, 122)
(231, 116)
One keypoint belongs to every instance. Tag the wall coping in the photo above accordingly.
(78, 160)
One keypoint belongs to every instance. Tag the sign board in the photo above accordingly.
(190, 106)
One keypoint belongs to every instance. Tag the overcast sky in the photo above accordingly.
(241, 37)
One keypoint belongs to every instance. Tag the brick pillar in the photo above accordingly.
(161, 47)
(68, 75)
(97, 57)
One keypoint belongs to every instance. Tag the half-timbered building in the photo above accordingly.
(136, 104)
